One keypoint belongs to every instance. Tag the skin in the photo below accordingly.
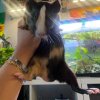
(9, 84)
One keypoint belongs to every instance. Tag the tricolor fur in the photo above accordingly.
(48, 61)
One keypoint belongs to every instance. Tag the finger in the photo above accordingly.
(19, 76)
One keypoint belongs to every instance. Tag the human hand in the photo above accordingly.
(26, 45)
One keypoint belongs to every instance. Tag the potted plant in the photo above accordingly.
(6, 51)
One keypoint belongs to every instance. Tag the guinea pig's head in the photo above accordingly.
(41, 15)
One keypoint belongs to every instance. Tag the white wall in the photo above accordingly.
(2, 8)
(83, 81)
(11, 29)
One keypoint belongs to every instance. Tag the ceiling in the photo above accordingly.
(71, 4)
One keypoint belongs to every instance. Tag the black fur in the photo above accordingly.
(57, 67)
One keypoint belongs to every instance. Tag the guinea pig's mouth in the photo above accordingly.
(48, 1)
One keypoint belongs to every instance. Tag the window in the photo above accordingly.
(82, 49)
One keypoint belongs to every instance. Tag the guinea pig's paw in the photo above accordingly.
(93, 91)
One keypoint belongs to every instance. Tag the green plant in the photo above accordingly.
(86, 57)
(5, 42)
(5, 53)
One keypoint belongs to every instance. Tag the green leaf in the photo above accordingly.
(5, 53)
(78, 53)
(85, 50)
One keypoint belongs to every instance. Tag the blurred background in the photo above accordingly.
(80, 29)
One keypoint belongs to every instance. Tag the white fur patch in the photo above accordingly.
(40, 24)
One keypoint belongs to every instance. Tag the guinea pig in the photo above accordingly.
(48, 62)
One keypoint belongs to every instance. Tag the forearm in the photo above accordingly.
(9, 84)
(26, 46)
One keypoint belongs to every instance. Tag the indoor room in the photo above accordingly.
(78, 24)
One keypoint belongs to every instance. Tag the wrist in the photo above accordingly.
(16, 62)
(24, 58)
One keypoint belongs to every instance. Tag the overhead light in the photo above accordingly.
(12, 11)
(74, 1)
(93, 24)
(17, 10)
(98, 0)
(70, 27)
(82, 0)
